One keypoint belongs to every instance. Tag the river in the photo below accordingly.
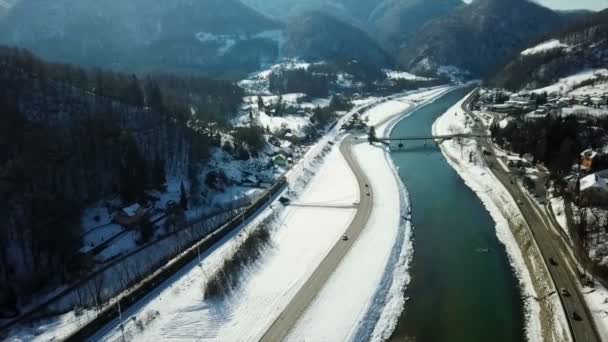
(463, 287)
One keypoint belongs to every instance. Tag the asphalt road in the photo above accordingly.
(281, 327)
(563, 268)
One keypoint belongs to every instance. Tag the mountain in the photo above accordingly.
(394, 22)
(353, 11)
(581, 46)
(391, 22)
(317, 36)
(479, 37)
(178, 35)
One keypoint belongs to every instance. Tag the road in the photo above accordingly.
(281, 327)
(563, 270)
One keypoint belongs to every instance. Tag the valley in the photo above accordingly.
(303, 170)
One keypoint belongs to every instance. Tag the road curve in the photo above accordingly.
(281, 327)
(582, 330)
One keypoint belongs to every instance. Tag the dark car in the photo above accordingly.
(553, 261)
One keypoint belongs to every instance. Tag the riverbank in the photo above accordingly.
(545, 319)
(376, 269)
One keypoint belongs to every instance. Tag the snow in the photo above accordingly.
(579, 110)
(557, 205)
(544, 47)
(403, 75)
(598, 89)
(567, 84)
(304, 236)
(395, 105)
(501, 206)
(132, 209)
(597, 301)
(275, 123)
(375, 270)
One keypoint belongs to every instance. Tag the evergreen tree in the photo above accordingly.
(372, 135)
(183, 197)
(133, 171)
(154, 96)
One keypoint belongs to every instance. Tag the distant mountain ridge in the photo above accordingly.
(395, 22)
(181, 35)
(317, 36)
(391, 22)
(481, 36)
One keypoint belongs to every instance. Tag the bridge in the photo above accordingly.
(439, 138)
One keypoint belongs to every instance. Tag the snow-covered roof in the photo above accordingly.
(132, 210)
(593, 181)
(589, 153)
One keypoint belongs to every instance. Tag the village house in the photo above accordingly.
(595, 187)
(130, 216)
(587, 158)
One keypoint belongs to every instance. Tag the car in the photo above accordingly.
(575, 316)
(345, 237)
(367, 185)
(520, 202)
(284, 200)
(368, 194)
(553, 261)
(564, 292)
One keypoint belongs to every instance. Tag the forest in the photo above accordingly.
(74, 136)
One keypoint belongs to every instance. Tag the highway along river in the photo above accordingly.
(463, 287)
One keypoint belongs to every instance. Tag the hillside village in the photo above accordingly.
(563, 158)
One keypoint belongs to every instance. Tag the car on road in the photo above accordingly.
(368, 194)
(520, 202)
(344, 237)
(553, 261)
(575, 316)
(284, 200)
(564, 292)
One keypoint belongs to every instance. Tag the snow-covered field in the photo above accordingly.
(597, 301)
(305, 232)
(544, 47)
(567, 84)
(557, 205)
(404, 75)
(502, 207)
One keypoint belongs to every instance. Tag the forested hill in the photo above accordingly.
(203, 36)
(581, 46)
(481, 36)
(72, 136)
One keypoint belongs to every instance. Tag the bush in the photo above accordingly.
(227, 278)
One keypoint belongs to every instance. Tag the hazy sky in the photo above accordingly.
(572, 4)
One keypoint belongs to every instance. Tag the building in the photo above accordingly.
(130, 215)
(587, 158)
(595, 187)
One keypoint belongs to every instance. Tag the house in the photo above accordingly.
(587, 158)
(595, 186)
(130, 215)
(280, 160)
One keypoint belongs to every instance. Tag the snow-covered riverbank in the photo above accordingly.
(376, 269)
(302, 236)
(544, 321)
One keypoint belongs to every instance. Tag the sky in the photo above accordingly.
(571, 4)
